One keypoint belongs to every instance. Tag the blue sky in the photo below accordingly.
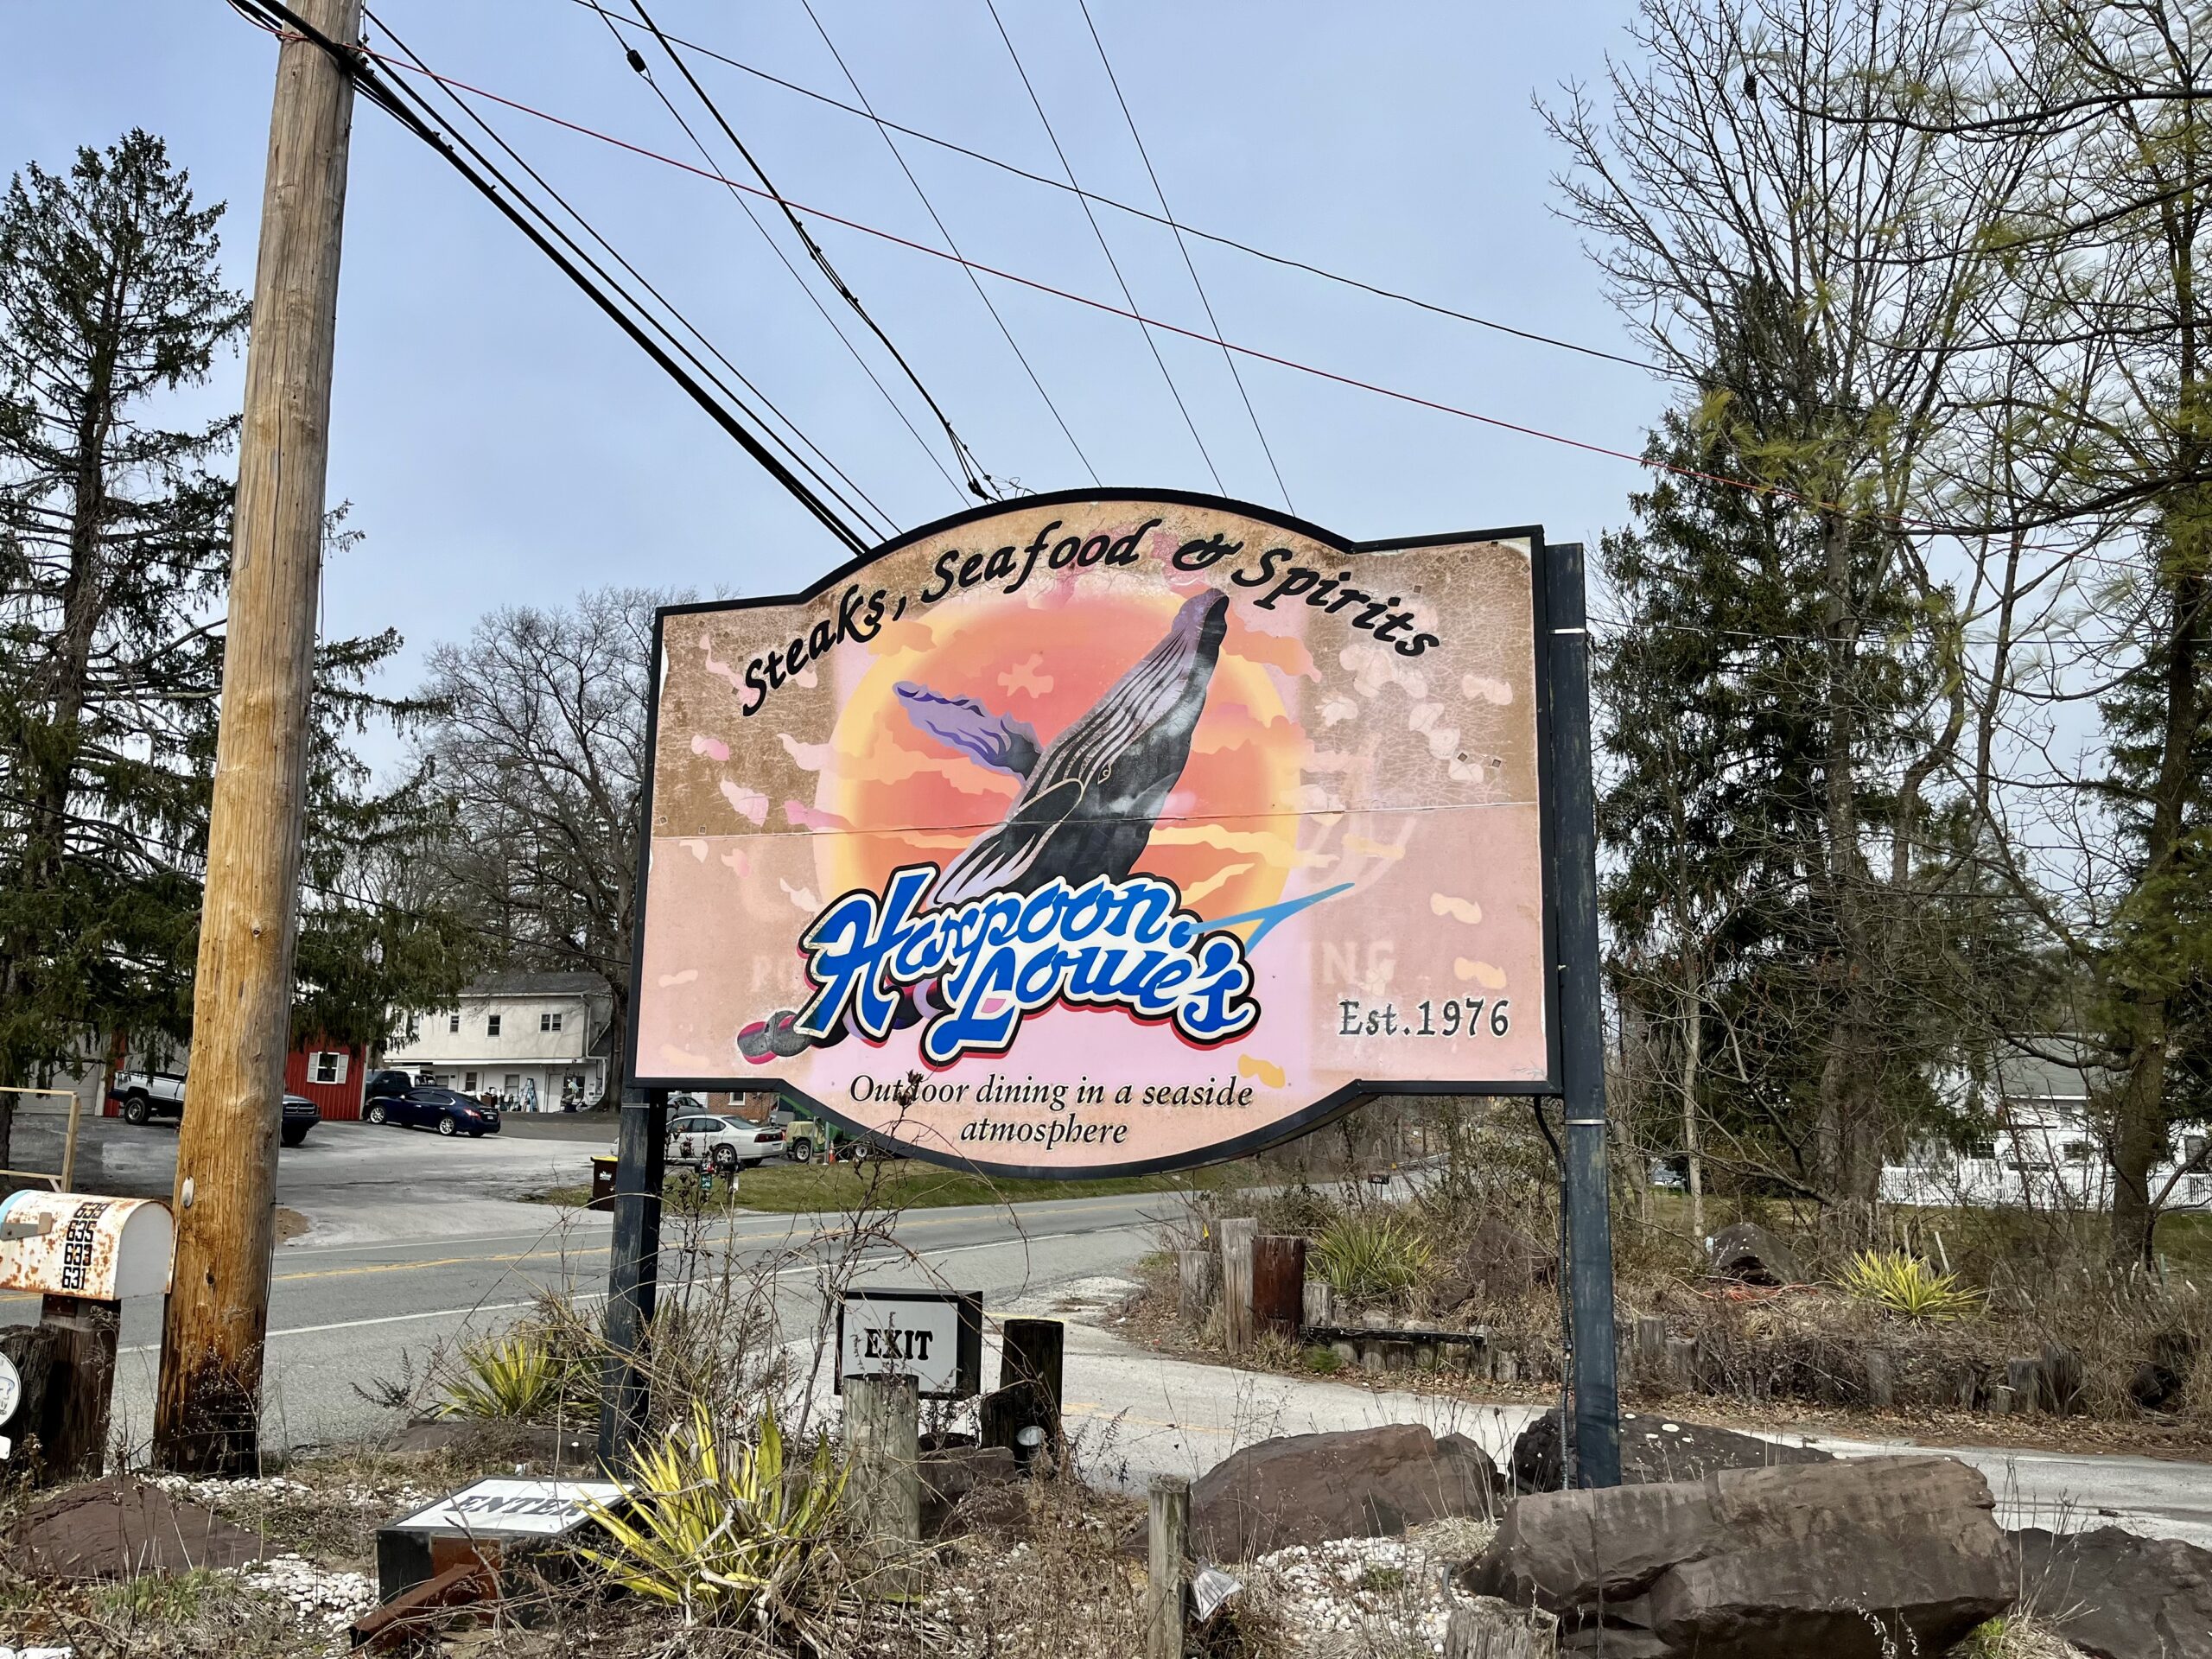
(502, 443)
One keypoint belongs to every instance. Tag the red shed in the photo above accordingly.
(330, 1076)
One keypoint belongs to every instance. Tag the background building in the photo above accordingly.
(538, 1041)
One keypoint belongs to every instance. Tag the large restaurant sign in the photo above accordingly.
(1104, 832)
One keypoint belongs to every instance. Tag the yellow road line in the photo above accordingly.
(563, 1253)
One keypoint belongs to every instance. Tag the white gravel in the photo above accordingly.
(1362, 1596)
(318, 1595)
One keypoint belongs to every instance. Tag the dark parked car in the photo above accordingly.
(300, 1115)
(443, 1109)
(142, 1097)
(382, 1084)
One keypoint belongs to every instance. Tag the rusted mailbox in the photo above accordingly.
(83, 1255)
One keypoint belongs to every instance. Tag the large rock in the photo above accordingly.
(1653, 1450)
(2118, 1596)
(1840, 1560)
(1750, 1254)
(1306, 1489)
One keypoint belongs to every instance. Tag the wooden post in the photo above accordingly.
(1320, 1302)
(1881, 1380)
(1029, 1391)
(884, 1482)
(1165, 1596)
(1237, 1236)
(207, 1414)
(30, 1350)
(80, 1382)
(1194, 1285)
(1279, 1285)
(1650, 1368)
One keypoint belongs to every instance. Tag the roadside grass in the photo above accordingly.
(835, 1189)
(2183, 1241)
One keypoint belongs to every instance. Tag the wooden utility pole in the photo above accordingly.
(207, 1416)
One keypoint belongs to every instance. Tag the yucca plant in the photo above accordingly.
(711, 1524)
(516, 1378)
(1370, 1254)
(1905, 1285)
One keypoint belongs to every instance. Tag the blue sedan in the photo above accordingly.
(442, 1109)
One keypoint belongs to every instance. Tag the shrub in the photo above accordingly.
(1324, 1362)
(516, 1378)
(1903, 1284)
(1370, 1254)
(715, 1527)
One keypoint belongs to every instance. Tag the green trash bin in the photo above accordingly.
(602, 1181)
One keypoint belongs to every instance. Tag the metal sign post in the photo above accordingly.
(1588, 1218)
(634, 1270)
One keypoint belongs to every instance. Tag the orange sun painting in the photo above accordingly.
(1227, 837)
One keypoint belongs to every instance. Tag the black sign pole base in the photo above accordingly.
(1595, 1425)
(634, 1272)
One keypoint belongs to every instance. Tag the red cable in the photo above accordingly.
(1901, 520)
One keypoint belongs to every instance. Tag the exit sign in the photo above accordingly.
(934, 1337)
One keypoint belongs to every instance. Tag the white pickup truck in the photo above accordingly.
(144, 1096)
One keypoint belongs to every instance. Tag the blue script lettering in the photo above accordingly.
(999, 958)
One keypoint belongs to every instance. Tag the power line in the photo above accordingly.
(881, 522)
(1212, 322)
(1288, 262)
(890, 143)
(969, 466)
(356, 59)
(1113, 264)
(1750, 487)
(638, 63)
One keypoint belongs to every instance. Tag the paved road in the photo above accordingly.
(358, 1315)
(418, 1241)
(355, 1183)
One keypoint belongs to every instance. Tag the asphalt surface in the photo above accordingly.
(415, 1241)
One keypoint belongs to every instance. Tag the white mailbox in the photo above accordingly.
(75, 1244)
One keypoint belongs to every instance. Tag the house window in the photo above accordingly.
(513, 1085)
(327, 1066)
(549, 1022)
(453, 1023)
(469, 1083)
(491, 1025)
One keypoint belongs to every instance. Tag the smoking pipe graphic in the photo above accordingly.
(1089, 798)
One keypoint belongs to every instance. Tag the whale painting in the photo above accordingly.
(1089, 799)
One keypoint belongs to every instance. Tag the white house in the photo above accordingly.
(2038, 1148)
(538, 1041)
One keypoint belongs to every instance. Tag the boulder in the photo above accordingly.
(1306, 1489)
(1751, 1255)
(2118, 1596)
(1653, 1449)
(1841, 1560)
